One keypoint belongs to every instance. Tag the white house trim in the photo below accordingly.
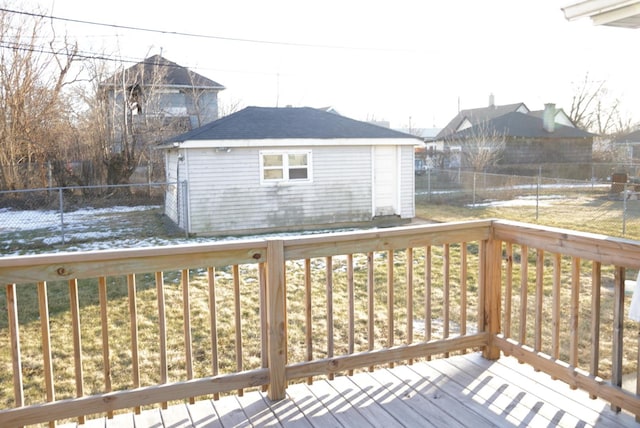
(616, 13)
(230, 144)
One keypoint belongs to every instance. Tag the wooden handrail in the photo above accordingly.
(413, 287)
(568, 254)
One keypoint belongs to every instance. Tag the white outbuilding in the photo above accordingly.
(288, 169)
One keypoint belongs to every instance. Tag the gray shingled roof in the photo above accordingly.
(255, 123)
(632, 137)
(516, 124)
(477, 115)
(175, 75)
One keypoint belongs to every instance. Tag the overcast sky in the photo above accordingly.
(407, 61)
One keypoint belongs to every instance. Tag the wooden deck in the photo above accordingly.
(462, 391)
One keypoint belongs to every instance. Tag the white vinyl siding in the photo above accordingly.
(407, 183)
(226, 195)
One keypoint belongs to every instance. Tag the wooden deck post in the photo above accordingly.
(491, 259)
(617, 346)
(276, 317)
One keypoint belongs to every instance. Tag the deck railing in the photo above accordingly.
(94, 333)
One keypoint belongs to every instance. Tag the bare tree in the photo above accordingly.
(126, 116)
(481, 146)
(35, 113)
(593, 109)
(229, 106)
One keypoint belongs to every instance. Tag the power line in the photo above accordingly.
(88, 55)
(196, 35)
(94, 56)
(77, 53)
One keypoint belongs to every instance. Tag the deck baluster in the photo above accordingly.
(133, 326)
(186, 317)
(213, 323)
(596, 284)
(43, 307)
(351, 307)
(409, 279)
(74, 304)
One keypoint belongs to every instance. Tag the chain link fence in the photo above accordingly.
(33, 175)
(603, 206)
(51, 217)
(44, 219)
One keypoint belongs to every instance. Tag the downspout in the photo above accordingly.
(399, 198)
(178, 190)
(183, 190)
(373, 182)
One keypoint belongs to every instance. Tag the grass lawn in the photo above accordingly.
(595, 213)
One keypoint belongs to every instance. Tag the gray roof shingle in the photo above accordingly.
(477, 115)
(256, 123)
(632, 137)
(516, 124)
(144, 72)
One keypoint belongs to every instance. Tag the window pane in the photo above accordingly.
(273, 174)
(298, 174)
(272, 160)
(299, 159)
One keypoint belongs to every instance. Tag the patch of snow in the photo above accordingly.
(518, 202)
(524, 201)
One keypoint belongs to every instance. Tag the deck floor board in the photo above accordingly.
(461, 391)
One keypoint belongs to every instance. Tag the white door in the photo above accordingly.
(385, 180)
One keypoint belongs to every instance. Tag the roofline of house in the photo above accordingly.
(288, 142)
(167, 85)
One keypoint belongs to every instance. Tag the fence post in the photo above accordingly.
(185, 206)
(624, 210)
(276, 325)
(49, 174)
(474, 189)
(61, 206)
(149, 180)
(538, 184)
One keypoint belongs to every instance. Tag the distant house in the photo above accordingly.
(529, 137)
(629, 144)
(277, 169)
(427, 150)
(155, 99)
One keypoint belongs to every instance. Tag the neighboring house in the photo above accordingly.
(156, 99)
(427, 151)
(277, 169)
(629, 144)
(527, 137)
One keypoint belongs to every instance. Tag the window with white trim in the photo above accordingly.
(285, 166)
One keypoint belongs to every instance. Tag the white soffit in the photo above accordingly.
(614, 13)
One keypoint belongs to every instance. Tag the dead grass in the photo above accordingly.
(597, 213)
(251, 357)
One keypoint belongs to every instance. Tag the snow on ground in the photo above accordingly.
(524, 201)
(22, 220)
(89, 229)
(39, 231)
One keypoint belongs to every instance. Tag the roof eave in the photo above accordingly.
(287, 142)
